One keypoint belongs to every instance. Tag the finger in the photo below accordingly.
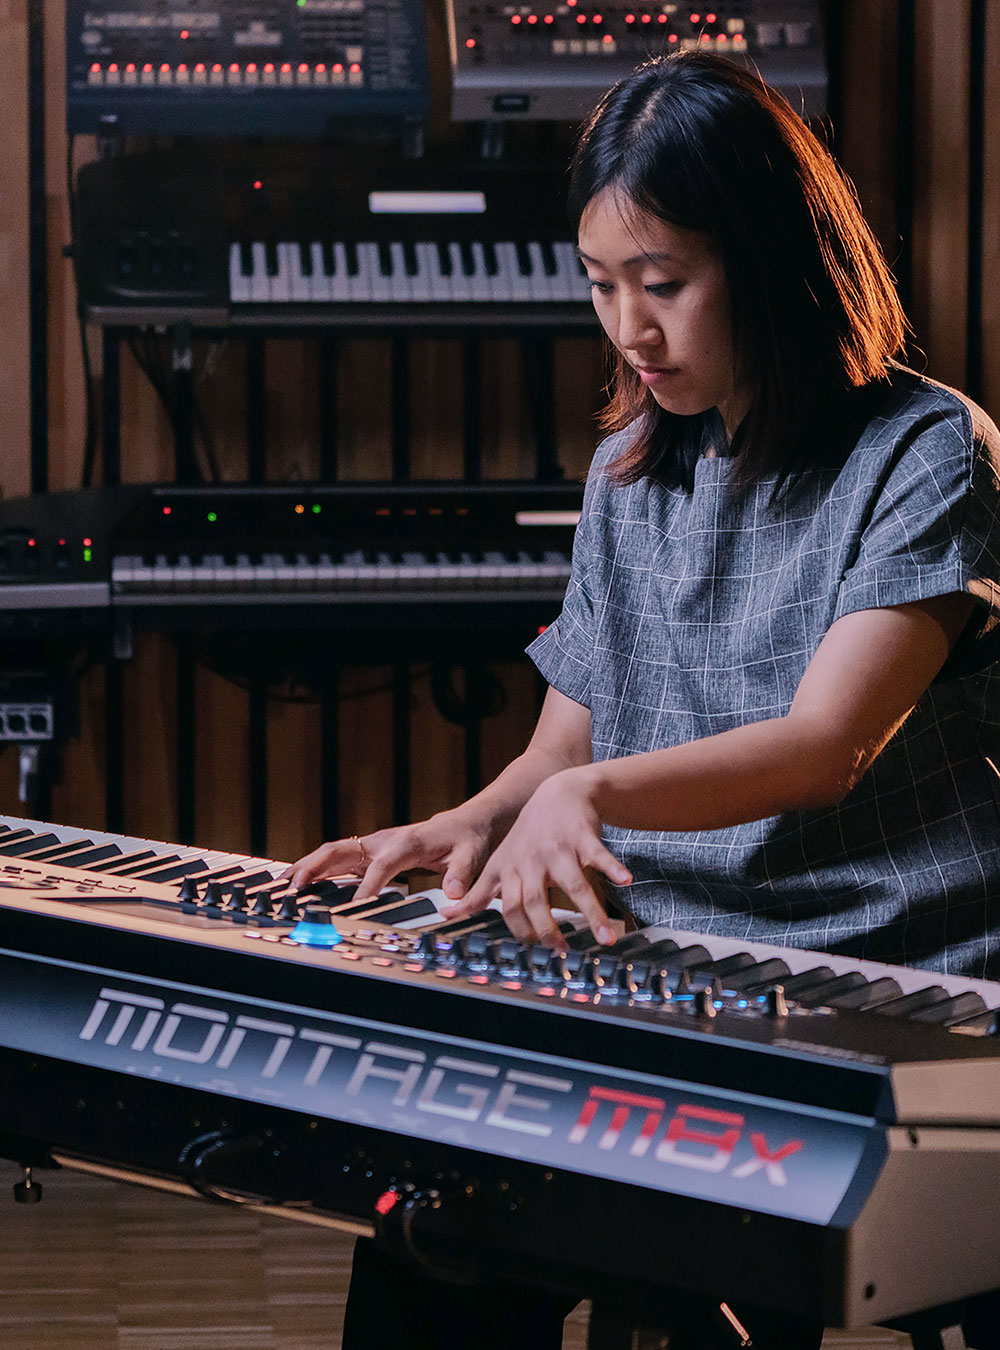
(462, 869)
(328, 860)
(538, 913)
(486, 888)
(585, 898)
(514, 914)
(613, 868)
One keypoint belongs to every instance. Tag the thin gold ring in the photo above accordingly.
(365, 858)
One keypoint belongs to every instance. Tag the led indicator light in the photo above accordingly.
(164, 69)
(646, 19)
(257, 184)
(696, 18)
(113, 68)
(607, 38)
(710, 18)
(515, 18)
(269, 68)
(62, 543)
(354, 67)
(234, 68)
(147, 68)
(387, 1199)
(549, 18)
(95, 69)
(31, 543)
(168, 510)
(470, 42)
(303, 68)
(299, 509)
(316, 508)
(662, 18)
(672, 37)
(87, 543)
(212, 517)
(598, 18)
(185, 33)
(87, 555)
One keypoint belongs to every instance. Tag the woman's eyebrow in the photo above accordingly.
(630, 262)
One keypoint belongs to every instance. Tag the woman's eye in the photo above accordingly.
(602, 287)
(664, 287)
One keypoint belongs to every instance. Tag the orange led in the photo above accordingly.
(704, 37)
(646, 19)
(252, 68)
(269, 68)
(234, 68)
(147, 68)
(710, 18)
(470, 42)
(113, 68)
(200, 68)
(532, 18)
(630, 18)
(95, 69)
(286, 67)
(338, 69)
(185, 33)
(217, 68)
(515, 18)
(130, 68)
(549, 18)
(720, 37)
(607, 38)
(354, 67)
(598, 18)
(303, 68)
(672, 38)
(300, 510)
(321, 68)
(662, 18)
(581, 18)
(164, 69)
(696, 18)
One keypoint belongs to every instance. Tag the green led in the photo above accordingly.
(316, 508)
(88, 553)
(213, 517)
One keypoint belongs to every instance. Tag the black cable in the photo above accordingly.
(89, 395)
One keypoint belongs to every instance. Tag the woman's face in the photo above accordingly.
(660, 293)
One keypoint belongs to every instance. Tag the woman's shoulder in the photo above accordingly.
(908, 404)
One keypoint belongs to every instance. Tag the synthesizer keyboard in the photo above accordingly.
(357, 244)
(494, 547)
(822, 1130)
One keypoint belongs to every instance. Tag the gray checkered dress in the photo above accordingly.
(691, 612)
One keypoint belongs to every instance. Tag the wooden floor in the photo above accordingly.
(104, 1266)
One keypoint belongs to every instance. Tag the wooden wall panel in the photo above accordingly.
(941, 186)
(15, 478)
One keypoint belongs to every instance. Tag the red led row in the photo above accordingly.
(269, 68)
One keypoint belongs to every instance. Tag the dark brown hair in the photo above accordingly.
(698, 142)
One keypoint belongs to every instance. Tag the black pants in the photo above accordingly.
(392, 1306)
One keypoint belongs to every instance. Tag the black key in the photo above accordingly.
(18, 847)
(351, 254)
(305, 259)
(444, 259)
(410, 263)
(958, 1008)
(270, 257)
(403, 909)
(916, 1002)
(253, 878)
(727, 965)
(126, 860)
(384, 259)
(846, 991)
(984, 1024)
(490, 258)
(548, 258)
(524, 265)
(468, 258)
(761, 975)
(329, 259)
(174, 873)
(807, 979)
(53, 852)
(86, 856)
(246, 258)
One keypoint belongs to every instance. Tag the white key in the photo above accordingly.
(239, 285)
(401, 283)
(305, 573)
(260, 282)
(461, 285)
(163, 573)
(301, 285)
(381, 285)
(481, 288)
(243, 573)
(340, 283)
(541, 281)
(440, 285)
(265, 572)
(123, 570)
(281, 283)
(320, 285)
(572, 280)
(520, 286)
(423, 283)
(359, 288)
(326, 572)
(183, 573)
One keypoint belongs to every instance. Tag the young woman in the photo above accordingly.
(772, 710)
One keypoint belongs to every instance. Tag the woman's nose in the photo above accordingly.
(636, 326)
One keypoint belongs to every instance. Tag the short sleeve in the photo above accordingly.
(933, 528)
(564, 652)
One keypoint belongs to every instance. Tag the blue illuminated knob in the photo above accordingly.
(316, 929)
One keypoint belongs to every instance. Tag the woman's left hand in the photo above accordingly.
(555, 840)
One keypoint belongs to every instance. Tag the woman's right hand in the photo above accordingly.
(451, 842)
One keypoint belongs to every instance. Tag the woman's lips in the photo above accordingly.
(653, 374)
